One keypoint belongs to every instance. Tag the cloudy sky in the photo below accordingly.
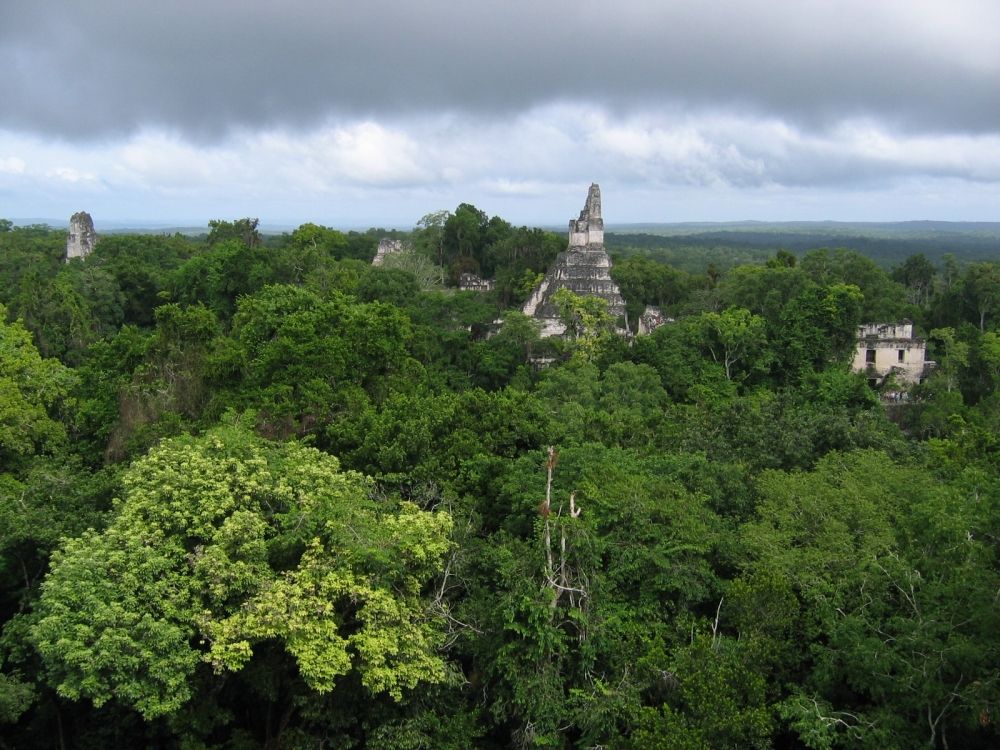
(380, 111)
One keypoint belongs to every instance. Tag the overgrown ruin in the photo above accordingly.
(469, 282)
(584, 268)
(82, 237)
(387, 246)
(886, 349)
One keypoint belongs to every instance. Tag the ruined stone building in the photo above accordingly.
(388, 246)
(886, 348)
(583, 268)
(651, 319)
(82, 237)
(469, 282)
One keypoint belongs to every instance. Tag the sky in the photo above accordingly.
(375, 113)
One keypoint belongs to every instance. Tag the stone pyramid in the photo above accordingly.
(583, 268)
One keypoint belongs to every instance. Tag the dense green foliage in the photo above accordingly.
(226, 542)
(255, 492)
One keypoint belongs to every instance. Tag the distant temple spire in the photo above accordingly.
(81, 238)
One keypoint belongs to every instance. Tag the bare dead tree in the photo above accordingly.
(559, 578)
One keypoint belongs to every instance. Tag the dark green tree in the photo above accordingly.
(242, 230)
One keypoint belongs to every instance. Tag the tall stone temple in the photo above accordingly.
(81, 238)
(583, 268)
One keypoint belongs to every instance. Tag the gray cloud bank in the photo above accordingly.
(207, 68)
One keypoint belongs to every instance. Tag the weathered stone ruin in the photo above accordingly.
(387, 246)
(651, 319)
(469, 282)
(82, 237)
(890, 349)
(583, 268)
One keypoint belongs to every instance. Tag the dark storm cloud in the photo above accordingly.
(204, 68)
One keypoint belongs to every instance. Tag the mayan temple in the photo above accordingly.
(583, 268)
(81, 238)
(386, 247)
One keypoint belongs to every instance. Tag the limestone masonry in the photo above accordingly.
(82, 236)
(890, 348)
(583, 268)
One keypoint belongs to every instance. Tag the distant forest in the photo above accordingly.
(256, 492)
(694, 246)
